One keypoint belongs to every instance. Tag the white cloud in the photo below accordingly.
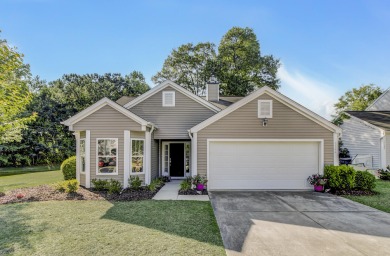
(317, 96)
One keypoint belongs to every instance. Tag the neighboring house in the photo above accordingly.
(262, 141)
(366, 134)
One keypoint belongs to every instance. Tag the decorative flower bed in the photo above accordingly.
(193, 192)
(48, 193)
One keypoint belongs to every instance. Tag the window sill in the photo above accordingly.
(104, 174)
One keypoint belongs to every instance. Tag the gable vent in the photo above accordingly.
(168, 99)
(265, 108)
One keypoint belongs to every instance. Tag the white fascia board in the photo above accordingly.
(98, 105)
(283, 99)
(177, 87)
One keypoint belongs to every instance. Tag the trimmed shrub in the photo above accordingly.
(364, 180)
(185, 185)
(68, 168)
(114, 186)
(155, 184)
(135, 182)
(340, 177)
(100, 185)
(69, 186)
(384, 174)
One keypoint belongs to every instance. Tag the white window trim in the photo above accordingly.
(259, 109)
(131, 158)
(81, 162)
(173, 99)
(97, 157)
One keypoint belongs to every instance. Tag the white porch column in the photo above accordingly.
(194, 154)
(148, 163)
(336, 149)
(126, 159)
(78, 165)
(87, 158)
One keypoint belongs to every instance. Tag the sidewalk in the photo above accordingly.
(170, 192)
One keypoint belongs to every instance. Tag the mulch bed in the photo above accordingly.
(192, 192)
(48, 193)
(355, 193)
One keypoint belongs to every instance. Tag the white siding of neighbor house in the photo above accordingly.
(382, 103)
(361, 139)
(387, 149)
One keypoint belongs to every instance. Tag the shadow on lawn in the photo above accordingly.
(14, 232)
(191, 219)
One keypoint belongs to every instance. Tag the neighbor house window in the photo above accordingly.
(82, 155)
(137, 155)
(265, 109)
(107, 156)
(168, 99)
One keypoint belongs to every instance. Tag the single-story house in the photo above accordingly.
(262, 141)
(366, 134)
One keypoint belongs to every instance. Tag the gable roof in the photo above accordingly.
(124, 100)
(98, 105)
(283, 99)
(225, 101)
(177, 87)
(381, 97)
(380, 119)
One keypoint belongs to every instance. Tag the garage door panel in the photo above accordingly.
(262, 165)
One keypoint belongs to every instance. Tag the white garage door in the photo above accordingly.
(262, 165)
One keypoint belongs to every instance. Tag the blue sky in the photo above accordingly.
(327, 47)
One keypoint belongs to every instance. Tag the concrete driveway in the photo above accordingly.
(299, 223)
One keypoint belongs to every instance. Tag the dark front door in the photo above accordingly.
(177, 159)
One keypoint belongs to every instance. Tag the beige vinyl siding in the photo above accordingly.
(243, 123)
(108, 123)
(82, 179)
(154, 164)
(172, 122)
(107, 119)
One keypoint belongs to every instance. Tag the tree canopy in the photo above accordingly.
(356, 99)
(45, 140)
(238, 65)
(241, 68)
(189, 65)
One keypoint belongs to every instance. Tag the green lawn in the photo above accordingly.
(380, 201)
(7, 171)
(31, 179)
(109, 228)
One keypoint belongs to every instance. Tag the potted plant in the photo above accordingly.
(199, 182)
(318, 181)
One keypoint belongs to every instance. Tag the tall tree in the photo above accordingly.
(356, 99)
(189, 65)
(241, 68)
(14, 93)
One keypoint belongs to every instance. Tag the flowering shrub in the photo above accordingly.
(317, 180)
(19, 196)
(198, 179)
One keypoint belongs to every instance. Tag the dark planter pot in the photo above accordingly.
(319, 188)
(199, 187)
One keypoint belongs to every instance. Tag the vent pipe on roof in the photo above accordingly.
(212, 89)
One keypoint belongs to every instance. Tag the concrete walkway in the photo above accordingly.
(170, 191)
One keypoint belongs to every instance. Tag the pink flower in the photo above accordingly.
(19, 196)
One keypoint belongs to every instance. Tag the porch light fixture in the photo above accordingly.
(265, 121)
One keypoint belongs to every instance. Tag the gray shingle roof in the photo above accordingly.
(380, 119)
